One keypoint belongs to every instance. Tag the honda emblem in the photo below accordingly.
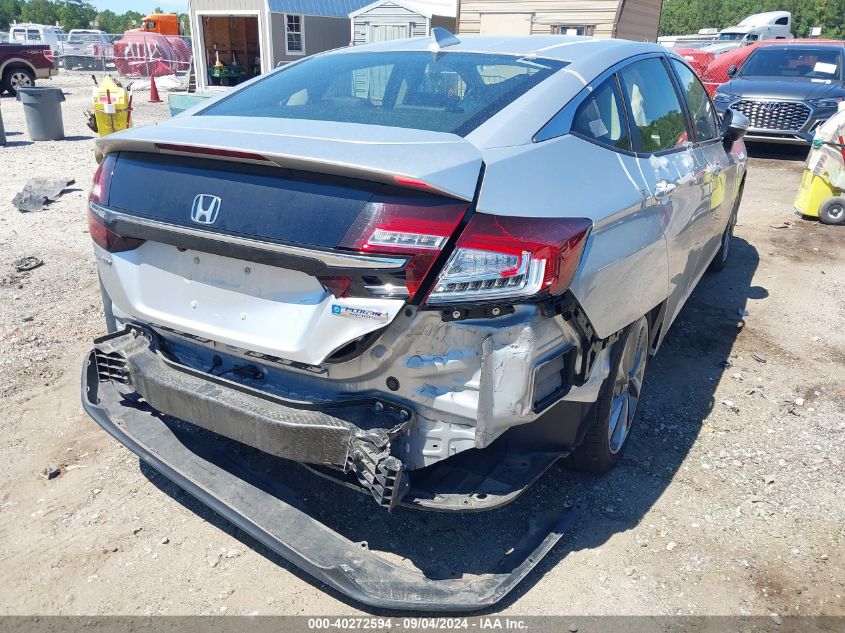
(205, 208)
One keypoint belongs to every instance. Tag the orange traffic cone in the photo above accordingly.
(154, 98)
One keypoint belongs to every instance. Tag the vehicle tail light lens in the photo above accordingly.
(102, 235)
(417, 228)
(107, 239)
(512, 257)
(102, 181)
(49, 55)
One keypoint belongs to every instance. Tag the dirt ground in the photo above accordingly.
(729, 499)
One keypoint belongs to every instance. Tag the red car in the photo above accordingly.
(713, 69)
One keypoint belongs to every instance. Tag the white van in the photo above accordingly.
(38, 34)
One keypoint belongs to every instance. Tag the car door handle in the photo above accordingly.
(662, 189)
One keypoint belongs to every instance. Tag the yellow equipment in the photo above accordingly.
(112, 107)
(821, 192)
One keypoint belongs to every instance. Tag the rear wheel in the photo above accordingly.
(616, 407)
(832, 211)
(15, 78)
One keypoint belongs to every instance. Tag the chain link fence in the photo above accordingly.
(129, 55)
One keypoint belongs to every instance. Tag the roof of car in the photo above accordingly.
(564, 47)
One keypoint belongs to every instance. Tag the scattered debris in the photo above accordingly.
(51, 472)
(786, 224)
(27, 263)
(136, 529)
(758, 358)
(40, 192)
(776, 618)
(164, 541)
(213, 561)
(730, 405)
(671, 545)
(799, 402)
(233, 553)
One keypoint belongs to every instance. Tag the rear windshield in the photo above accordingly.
(795, 62)
(446, 92)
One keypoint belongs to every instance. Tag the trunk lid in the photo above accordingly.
(445, 163)
(278, 269)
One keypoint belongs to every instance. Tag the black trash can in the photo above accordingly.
(43, 110)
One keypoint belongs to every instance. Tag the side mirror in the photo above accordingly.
(732, 70)
(734, 126)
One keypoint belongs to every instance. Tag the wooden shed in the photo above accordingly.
(251, 37)
(626, 19)
(385, 20)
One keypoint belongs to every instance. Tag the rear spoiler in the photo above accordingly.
(438, 162)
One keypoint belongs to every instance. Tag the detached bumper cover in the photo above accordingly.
(275, 518)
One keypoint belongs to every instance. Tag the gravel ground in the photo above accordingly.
(728, 500)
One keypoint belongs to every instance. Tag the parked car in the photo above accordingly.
(786, 91)
(88, 49)
(22, 64)
(426, 269)
(27, 33)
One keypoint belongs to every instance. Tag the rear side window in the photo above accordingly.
(701, 110)
(448, 92)
(657, 117)
(600, 117)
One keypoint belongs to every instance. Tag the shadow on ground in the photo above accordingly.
(678, 395)
(777, 151)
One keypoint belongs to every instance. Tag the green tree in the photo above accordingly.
(40, 12)
(10, 10)
(73, 15)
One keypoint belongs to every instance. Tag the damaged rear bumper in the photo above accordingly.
(352, 436)
(274, 516)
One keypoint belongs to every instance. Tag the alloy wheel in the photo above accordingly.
(628, 386)
(20, 80)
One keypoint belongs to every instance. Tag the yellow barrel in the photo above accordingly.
(108, 123)
(814, 190)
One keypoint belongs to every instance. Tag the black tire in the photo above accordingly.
(17, 76)
(832, 211)
(596, 454)
(720, 259)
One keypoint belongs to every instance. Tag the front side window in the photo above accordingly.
(701, 110)
(600, 117)
(33, 36)
(449, 92)
(293, 35)
(658, 118)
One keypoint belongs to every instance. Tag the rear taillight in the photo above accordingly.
(102, 180)
(108, 239)
(419, 229)
(102, 235)
(48, 54)
(504, 258)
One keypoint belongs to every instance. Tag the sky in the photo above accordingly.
(142, 6)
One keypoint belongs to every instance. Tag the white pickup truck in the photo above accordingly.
(88, 49)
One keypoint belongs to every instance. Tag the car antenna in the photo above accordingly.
(441, 38)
